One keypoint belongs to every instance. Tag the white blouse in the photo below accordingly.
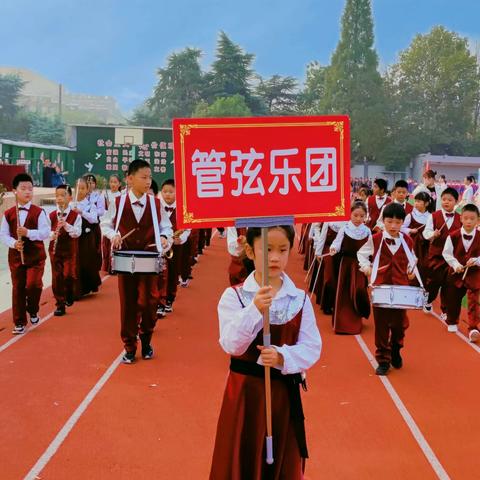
(239, 326)
(357, 233)
(320, 241)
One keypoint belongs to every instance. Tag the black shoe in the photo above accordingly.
(147, 350)
(169, 307)
(128, 357)
(69, 303)
(161, 311)
(382, 368)
(18, 330)
(397, 361)
(59, 312)
(34, 319)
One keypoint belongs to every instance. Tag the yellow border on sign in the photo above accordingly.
(188, 217)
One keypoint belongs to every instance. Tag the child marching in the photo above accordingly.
(462, 253)
(393, 264)
(23, 229)
(63, 249)
(134, 223)
(296, 346)
(351, 301)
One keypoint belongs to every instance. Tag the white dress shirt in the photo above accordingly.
(448, 254)
(74, 230)
(186, 233)
(87, 210)
(108, 227)
(429, 230)
(239, 326)
(367, 250)
(321, 239)
(98, 200)
(234, 248)
(418, 216)
(357, 233)
(41, 233)
(467, 196)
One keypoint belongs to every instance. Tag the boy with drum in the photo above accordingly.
(393, 264)
(134, 222)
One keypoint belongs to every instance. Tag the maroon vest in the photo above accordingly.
(374, 211)
(408, 208)
(66, 245)
(436, 246)
(173, 219)
(33, 252)
(144, 234)
(472, 279)
(396, 271)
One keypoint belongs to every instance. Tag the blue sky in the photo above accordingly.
(113, 47)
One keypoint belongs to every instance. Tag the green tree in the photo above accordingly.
(353, 85)
(179, 88)
(234, 106)
(311, 100)
(46, 130)
(10, 89)
(279, 94)
(433, 94)
(232, 74)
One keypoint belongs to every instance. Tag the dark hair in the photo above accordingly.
(423, 197)
(137, 165)
(450, 191)
(115, 175)
(154, 187)
(68, 188)
(470, 207)
(381, 183)
(444, 177)
(470, 178)
(365, 190)
(255, 232)
(430, 173)
(358, 204)
(21, 177)
(90, 177)
(169, 181)
(394, 210)
(401, 184)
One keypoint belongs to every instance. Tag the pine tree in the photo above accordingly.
(353, 84)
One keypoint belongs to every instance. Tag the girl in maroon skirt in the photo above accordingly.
(414, 225)
(351, 301)
(296, 344)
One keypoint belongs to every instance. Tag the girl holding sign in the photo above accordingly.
(296, 345)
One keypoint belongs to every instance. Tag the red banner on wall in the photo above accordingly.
(235, 168)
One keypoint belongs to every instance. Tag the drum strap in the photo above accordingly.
(156, 228)
(121, 206)
(411, 261)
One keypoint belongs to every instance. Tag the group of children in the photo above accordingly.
(79, 252)
(416, 244)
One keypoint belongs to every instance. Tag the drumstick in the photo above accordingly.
(310, 269)
(465, 274)
(316, 280)
(22, 258)
(325, 255)
(128, 234)
(410, 268)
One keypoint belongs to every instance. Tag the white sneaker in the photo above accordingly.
(184, 284)
(18, 330)
(443, 317)
(452, 328)
(34, 319)
(474, 335)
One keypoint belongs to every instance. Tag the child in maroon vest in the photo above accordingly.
(441, 224)
(377, 201)
(240, 265)
(296, 346)
(24, 236)
(462, 253)
(63, 248)
(400, 196)
(174, 260)
(351, 300)
(395, 267)
(138, 292)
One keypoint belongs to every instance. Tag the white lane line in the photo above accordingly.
(407, 417)
(71, 422)
(16, 338)
(459, 334)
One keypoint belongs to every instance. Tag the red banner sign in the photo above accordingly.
(236, 168)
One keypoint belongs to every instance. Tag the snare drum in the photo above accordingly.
(132, 261)
(398, 296)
